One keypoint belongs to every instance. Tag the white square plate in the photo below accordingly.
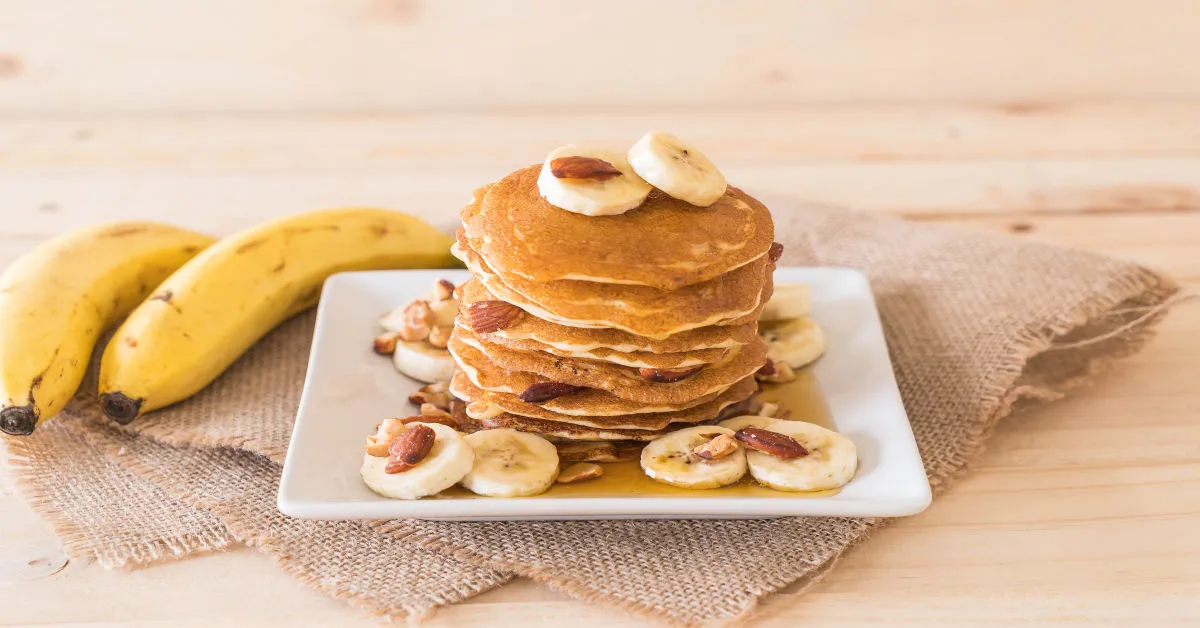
(349, 390)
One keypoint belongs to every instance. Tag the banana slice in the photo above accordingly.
(584, 189)
(790, 300)
(677, 168)
(830, 463)
(509, 463)
(448, 461)
(797, 341)
(423, 362)
(670, 459)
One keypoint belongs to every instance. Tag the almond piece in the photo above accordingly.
(667, 376)
(775, 252)
(418, 319)
(545, 391)
(590, 168)
(719, 447)
(410, 448)
(779, 445)
(443, 290)
(768, 409)
(377, 443)
(485, 317)
(385, 344)
(436, 394)
(780, 372)
(768, 368)
(439, 337)
(580, 472)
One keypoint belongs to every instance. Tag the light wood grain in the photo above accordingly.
(1081, 513)
(141, 55)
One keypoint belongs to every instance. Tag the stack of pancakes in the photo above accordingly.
(628, 326)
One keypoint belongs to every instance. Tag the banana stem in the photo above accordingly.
(119, 407)
(18, 420)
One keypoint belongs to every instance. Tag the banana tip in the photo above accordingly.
(18, 420)
(119, 407)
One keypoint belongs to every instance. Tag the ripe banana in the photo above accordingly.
(603, 185)
(445, 464)
(830, 462)
(216, 306)
(677, 168)
(789, 300)
(57, 300)
(423, 362)
(509, 463)
(671, 459)
(797, 341)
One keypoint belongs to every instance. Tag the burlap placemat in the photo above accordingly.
(974, 323)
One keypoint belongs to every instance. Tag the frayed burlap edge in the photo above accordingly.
(18, 462)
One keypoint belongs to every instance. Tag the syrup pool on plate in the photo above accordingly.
(801, 396)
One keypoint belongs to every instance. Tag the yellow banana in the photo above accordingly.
(57, 300)
(218, 305)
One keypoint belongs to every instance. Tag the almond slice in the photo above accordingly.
(410, 448)
(580, 472)
(720, 446)
(575, 167)
(779, 445)
(486, 317)
(667, 376)
(545, 391)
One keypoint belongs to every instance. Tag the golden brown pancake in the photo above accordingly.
(731, 299)
(585, 402)
(637, 359)
(622, 381)
(461, 387)
(574, 339)
(666, 243)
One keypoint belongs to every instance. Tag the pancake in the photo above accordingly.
(574, 339)
(622, 381)
(637, 359)
(586, 402)
(665, 243)
(461, 387)
(731, 299)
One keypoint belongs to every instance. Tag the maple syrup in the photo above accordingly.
(801, 396)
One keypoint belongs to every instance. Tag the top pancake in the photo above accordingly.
(666, 243)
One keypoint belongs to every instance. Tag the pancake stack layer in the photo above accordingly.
(614, 327)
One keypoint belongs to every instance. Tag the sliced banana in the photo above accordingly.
(830, 463)
(797, 341)
(509, 463)
(423, 362)
(677, 168)
(670, 459)
(790, 300)
(448, 461)
(593, 196)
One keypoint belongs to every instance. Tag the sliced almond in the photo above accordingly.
(580, 472)
(436, 394)
(486, 317)
(418, 319)
(779, 445)
(575, 167)
(377, 443)
(775, 252)
(445, 419)
(720, 446)
(410, 448)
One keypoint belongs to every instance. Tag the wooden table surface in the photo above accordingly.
(1071, 122)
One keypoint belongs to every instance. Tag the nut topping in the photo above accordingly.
(439, 337)
(590, 168)
(418, 319)
(444, 418)
(410, 448)
(545, 391)
(486, 317)
(443, 290)
(667, 376)
(385, 344)
(775, 252)
(580, 472)
(779, 445)
(377, 443)
(434, 394)
(778, 372)
(720, 446)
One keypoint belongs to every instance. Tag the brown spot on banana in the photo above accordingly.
(132, 342)
(251, 245)
(167, 296)
(120, 407)
(121, 231)
(18, 420)
(282, 265)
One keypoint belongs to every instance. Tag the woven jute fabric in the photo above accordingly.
(974, 322)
